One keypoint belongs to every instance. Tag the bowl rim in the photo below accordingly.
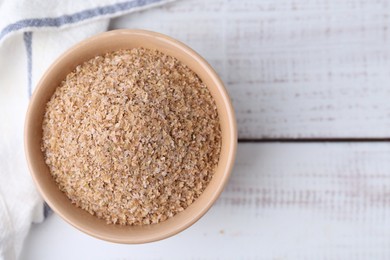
(232, 125)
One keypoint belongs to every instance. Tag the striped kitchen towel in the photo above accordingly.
(32, 34)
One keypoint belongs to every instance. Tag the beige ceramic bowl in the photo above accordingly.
(102, 43)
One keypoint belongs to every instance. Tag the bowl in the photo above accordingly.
(57, 200)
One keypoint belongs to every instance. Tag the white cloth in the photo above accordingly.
(32, 34)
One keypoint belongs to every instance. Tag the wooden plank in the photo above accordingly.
(284, 201)
(315, 68)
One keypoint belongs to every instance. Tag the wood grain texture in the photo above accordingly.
(284, 201)
(294, 69)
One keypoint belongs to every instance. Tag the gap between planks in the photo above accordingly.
(313, 140)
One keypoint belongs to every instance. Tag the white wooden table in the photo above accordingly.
(310, 82)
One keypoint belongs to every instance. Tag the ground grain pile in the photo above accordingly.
(132, 136)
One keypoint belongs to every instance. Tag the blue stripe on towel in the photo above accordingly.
(76, 17)
(46, 210)
(27, 37)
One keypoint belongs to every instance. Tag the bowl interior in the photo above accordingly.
(106, 42)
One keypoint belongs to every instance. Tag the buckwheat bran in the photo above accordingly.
(132, 136)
